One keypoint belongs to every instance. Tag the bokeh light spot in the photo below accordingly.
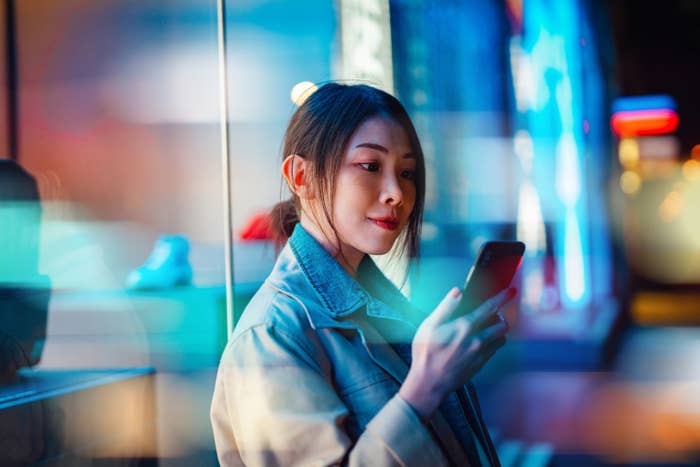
(630, 182)
(671, 206)
(691, 170)
(301, 91)
(629, 152)
(695, 152)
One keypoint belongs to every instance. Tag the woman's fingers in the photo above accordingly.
(493, 305)
(493, 336)
(495, 333)
(446, 351)
(486, 353)
(446, 307)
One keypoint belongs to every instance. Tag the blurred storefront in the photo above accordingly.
(119, 120)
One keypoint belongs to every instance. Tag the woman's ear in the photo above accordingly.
(294, 170)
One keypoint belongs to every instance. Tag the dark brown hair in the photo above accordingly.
(319, 131)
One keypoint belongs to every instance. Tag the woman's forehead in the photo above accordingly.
(383, 132)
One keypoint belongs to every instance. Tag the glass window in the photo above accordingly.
(118, 125)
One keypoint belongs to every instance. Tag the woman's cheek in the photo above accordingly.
(410, 197)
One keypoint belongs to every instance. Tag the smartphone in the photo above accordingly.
(493, 270)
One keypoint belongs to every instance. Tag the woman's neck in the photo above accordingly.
(350, 261)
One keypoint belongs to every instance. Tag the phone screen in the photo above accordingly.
(493, 270)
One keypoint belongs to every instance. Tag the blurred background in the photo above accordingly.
(126, 173)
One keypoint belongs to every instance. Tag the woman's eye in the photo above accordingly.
(370, 166)
(408, 174)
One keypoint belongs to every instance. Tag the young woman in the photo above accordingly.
(326, 365)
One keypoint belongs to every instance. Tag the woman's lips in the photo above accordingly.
(388, 223)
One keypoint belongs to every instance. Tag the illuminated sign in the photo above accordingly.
(644, 116)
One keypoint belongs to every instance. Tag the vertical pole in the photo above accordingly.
(226, 164)
(11, 52)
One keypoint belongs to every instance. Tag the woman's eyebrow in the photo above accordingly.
(381, 148)
(376, 146)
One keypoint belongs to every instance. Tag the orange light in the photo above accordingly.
(628, 152)
(695, 152)
(691, 170)
(644, 122)
(671, 206)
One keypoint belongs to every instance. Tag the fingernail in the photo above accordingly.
(455, 293)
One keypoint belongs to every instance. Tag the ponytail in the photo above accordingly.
(284, 216)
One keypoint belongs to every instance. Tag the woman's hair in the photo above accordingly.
(319, 131)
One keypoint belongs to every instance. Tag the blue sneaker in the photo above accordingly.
(167, 266)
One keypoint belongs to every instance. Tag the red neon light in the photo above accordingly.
(644, 122)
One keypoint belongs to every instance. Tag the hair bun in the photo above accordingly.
(284, 217)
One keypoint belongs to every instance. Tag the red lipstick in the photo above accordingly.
(388, 223)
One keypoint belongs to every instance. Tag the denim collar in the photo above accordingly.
(341, 294)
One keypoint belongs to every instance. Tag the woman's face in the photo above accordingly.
(375, 191)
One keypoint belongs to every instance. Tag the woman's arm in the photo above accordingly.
(273, 406)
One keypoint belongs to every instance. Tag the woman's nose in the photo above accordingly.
(391, 192)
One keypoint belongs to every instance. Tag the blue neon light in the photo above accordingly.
(560, 103)
(649, 102)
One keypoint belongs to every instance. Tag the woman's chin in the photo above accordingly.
(379, 249)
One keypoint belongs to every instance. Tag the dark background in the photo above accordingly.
(657, 46)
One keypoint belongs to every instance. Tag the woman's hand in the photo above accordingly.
(447, 352)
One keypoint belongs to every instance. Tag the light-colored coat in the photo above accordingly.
(308, 377)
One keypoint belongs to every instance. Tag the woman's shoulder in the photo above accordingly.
(274, 323)
(273, 306)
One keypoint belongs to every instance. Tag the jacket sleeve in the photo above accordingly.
(273, 406)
